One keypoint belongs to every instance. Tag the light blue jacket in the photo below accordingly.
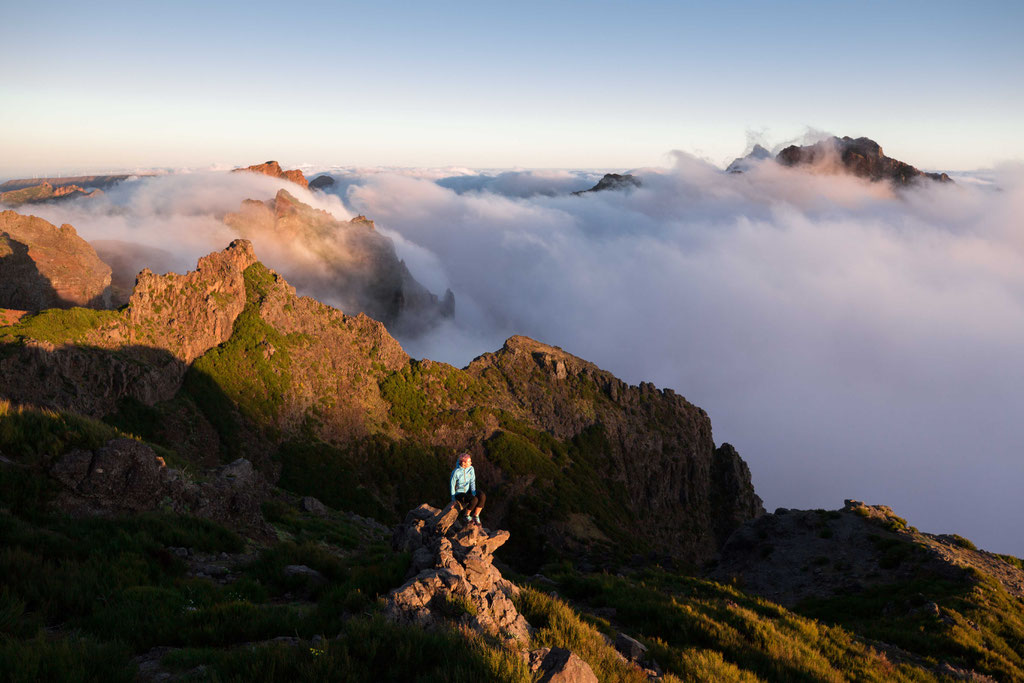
(463, 479)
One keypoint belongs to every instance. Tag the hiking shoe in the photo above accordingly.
(477, 520)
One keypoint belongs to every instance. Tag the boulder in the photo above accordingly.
(631, 649)
(452, 576)
(313, 506)
(558, 665)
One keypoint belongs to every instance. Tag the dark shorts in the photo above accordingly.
(468, 501)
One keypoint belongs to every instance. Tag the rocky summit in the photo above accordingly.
(347, 263)
(861, 157)
(43, 266)
(274, 170)
(613, 181)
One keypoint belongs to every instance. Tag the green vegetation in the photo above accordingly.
(57, 325)
(700, 630)
(425, 392)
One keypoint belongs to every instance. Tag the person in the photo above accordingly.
(463, 489)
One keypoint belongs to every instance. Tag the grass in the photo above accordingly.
(58, 326)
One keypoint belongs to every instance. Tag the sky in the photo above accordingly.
(111, 86)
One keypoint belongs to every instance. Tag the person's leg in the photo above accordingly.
(478, 504)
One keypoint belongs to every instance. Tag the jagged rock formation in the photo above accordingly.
(97, 182)
(348, 264)
(797, 554)
(613, 181)
(126, 261)
(44, 192)
(453, 576)
(743, 164)
(320, 182)
(273, 169)
(861, 157)
(42, 266)
(126, 476)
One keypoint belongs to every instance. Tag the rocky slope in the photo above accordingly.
(273, 169)
(613, 181)
(861, 157)
(95, 182)
(43, 266)
(347, 263)
(231, 350)
(44, 192)
(743, 164)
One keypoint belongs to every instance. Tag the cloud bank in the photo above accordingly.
(852, 342)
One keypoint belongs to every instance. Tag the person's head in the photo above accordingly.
(465, 460)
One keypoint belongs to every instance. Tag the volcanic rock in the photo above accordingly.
(558, 665)
(613, 181)
(321, 181)
(126, 261)
(452, 576)
(744, 164)
(346, 263)
(861, 157)
(273, 169)
(126, 476)
(42, 266)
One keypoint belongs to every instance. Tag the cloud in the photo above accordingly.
(850, 340)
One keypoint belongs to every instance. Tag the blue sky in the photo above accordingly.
(108, 86)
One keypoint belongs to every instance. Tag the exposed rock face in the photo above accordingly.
(321, 181)
(613, 181)
(189, 314)
(797, 554)
(273, 169)
(689, 495)
(126, 476)
(861, 157)
(558, 665)
(348, 264)
(126, 261)
(743, 164)
(453, 576)
(43, 266)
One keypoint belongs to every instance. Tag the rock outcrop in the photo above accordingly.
(43, 266)
(861, 157)
(744, 164)
(796, 554)
(126, 261)
(273, 169)
(321, 181)
(126, 476)
(613, 181)
(452, 576)
(348, 264)
(558, 665)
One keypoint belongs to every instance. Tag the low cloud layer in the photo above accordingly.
(850, 341)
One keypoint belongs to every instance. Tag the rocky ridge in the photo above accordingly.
(274, 170)
(861, 157)
(613, 181)
(44, 192)
(43, 266)
(347, 263)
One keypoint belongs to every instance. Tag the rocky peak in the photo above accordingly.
(273, 169)
(613, 181)
(43, 266)
(744, 163)
(321, 181)
(452, 576)
(861, 157)
(189, 314)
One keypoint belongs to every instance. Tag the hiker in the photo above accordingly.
(463, 486)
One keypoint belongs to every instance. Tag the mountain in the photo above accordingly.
(321, 181)
(743, 164)
(861, 157)
(44, 192)
(348, 263)
(43, 266)
(273, 169)
(95, 182)
(613, 181)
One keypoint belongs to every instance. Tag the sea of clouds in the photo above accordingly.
(850, 340)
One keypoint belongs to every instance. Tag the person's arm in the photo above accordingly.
(455, 473)
(472, 480)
